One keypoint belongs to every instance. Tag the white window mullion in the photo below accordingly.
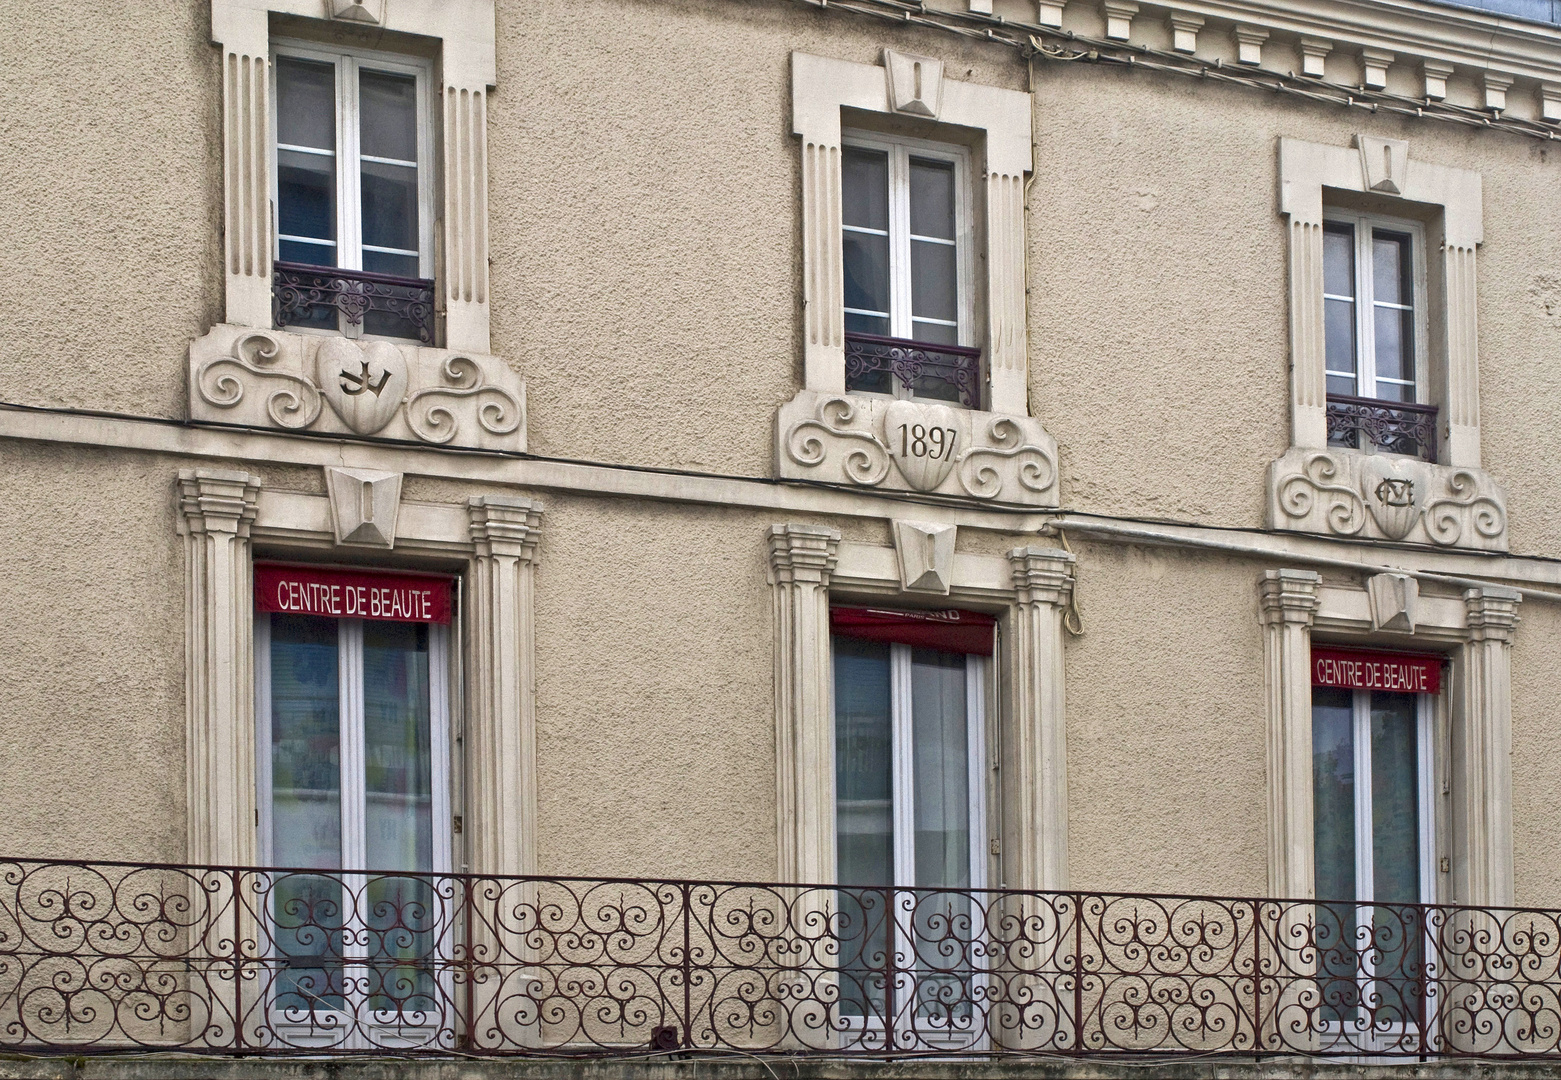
(903, 780)
(900, 249)
(349, 189)
(263, 766)
(439, 743)
(975, 722)
(1425, 724)
(353, 837)
(1365, 312)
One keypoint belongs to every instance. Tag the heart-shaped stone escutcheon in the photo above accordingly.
(1395, 491)
(924, 440)
(365, 385)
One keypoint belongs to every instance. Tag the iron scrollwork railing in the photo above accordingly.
(109, 957)
(1394, 426)
(952, 372)
(301, 295)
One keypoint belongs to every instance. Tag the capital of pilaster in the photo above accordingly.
(1289, 596)
(505, 526)
(1492, 612)
(217, 501)
(803, 553)
(1042, 575)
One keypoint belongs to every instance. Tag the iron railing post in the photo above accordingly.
(1257, 976)
(1078, 973)
(688, 997)
(238, 964)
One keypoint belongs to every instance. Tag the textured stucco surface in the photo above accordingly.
(111, 173)
(1536, 756)
(1166, 728)
(91, 655)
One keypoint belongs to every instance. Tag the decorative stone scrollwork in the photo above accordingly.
(916, 445)
(272, 378)
(1349, 493)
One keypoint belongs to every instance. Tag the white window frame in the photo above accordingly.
(1353, 1032)
(1366, 303)
(349, 159)
(328, 1030)
(902, 781)
(900, 150)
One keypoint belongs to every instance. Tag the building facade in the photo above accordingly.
(990, 447)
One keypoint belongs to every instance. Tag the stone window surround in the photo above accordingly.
(1453, 197)
(223, 514)
(808, 564)
(1473, 724)
(821, 88)
(465, 29)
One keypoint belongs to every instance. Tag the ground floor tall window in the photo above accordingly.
(351, 696)
(1373, 815)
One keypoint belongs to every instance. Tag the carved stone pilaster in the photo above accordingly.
(1482, 750)
(216, 507)
(466, 217)
(802, 557)
(247, 187)
(501, 707)
(1035, 829)
(1288, 602)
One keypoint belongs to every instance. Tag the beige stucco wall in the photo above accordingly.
(1536, 756)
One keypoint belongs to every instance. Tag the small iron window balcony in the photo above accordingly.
(1397, 427)
(922, 369)
(354, 301)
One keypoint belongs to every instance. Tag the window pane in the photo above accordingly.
(932, 198)
(306, 205)
(864, 188)
(397, 758)
(934, 284)
(1395, 352)
(1339, 335)
(864, 819)
(867, 272)
(940, 746)
(389, 206)
(1339, 260)
(1333, 834)
(305, 743)
(305, 103)
(387, 110)
(1392, 281)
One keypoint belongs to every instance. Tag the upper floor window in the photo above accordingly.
(909, 310)
(353, 193)
(1374, 325)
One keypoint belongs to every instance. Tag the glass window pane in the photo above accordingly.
(305, 743)
(867, 271)
(864, 188)
(1395, 352)
(306, 203)
(387, 111)
(1395, 807)
(940, 747)
(932, 198)
(864, 819)
(305, 103)
(1333, 834)
(1339, 260)
(397, 755)
(389, 206)
(1391, 281)
(863, 772)
(934, 284)
(1339, 336)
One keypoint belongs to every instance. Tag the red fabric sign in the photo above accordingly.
(954, 631)
(1360, 669)
(352, 594)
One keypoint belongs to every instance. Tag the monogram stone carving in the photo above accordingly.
(273, 378)
(1343, 492)
(916, 445)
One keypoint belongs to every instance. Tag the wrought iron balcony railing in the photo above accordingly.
(1395, 426)
(950, 372)
(306, 295)
(110, 957)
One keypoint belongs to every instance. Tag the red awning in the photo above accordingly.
(352, 594)
(1368, 669)
(953, 631)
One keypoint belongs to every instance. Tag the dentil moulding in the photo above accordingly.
(329, 384)
(875, 442)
